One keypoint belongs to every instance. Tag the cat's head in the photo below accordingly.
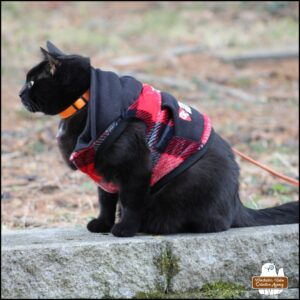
(56, 82)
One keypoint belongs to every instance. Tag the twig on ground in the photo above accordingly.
(195, 84)
(265, 54)
(254, 55)
(225, 90)
(169, 81)
(128, 60)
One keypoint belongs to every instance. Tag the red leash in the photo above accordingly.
(281, 176)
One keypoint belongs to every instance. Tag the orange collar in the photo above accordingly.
(77, 105)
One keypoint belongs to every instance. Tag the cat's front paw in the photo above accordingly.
(98, 225)
(123, 229)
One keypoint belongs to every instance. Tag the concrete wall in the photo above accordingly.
(73, 263)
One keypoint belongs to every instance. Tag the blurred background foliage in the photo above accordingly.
(112, 29)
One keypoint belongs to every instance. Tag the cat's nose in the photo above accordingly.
(26, 86)
(23, 89)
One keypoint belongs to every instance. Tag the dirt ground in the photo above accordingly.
(179, 47)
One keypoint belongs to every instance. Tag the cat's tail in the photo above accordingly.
(287, 213)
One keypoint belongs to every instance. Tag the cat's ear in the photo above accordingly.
(53, 61)
(53, 49)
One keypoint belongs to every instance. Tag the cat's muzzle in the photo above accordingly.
(26, 100)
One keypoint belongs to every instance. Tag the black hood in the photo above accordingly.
(110, 97)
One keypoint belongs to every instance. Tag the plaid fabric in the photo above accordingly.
(168, 151)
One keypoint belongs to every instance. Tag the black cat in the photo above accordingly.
(201, 198)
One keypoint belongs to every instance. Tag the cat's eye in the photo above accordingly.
(31, 83)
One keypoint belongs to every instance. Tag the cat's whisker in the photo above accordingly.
(34, 106)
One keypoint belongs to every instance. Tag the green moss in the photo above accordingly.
(280, 188)
(107, 296)
(217, 290)
(151, 295)
(167, 265)
(222, 290)
(193, 294)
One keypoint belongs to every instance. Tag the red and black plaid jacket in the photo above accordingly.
(176, 134)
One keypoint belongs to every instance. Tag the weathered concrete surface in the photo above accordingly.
(286, 294)
(73, 263)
